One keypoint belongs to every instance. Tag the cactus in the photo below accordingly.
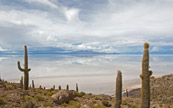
(145, 76)
(53, 87)
(127, 94)
(0, 78)
(59, 87)
(25, 70)
(21, 82)
(76, 87)
(67, 87)
(118, 93)
(40, 87)
(33, 86)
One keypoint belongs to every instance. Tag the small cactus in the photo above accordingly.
(76, 87)
(53, 87)
(21, 82)
(33, 86)
(25, 69)
(59, 87)
(145, 76)
(127, 94)
(67, 87)
(40, 87)
(118, 93)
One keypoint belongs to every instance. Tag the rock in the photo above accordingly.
(62, 96)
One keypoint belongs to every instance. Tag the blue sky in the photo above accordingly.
(96, 25)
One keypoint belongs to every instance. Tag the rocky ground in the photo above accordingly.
(12, 96)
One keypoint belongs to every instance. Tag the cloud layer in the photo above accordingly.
(104, 26)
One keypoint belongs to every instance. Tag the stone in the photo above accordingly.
(62, 96)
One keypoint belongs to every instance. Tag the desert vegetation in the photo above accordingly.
(154, 93)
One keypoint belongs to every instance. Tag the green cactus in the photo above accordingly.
(53, 87)
(145, 76)
(67, 87)
(26, 69)
(118, 93)
(76, 87)
(33, 86)
(59, 87)
(40, 87)
(21, 82)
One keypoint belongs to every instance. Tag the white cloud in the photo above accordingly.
(1, 49)
(115, 24)
(155, 48)
(43, 2)
(71, 14)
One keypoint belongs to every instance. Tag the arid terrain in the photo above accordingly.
(12, 96)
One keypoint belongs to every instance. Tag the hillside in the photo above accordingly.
(11, 95)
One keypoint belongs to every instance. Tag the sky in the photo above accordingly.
(95, 25)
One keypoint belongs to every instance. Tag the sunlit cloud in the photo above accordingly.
(104, 27)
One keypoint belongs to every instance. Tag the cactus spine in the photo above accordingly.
(76, 87)
(33, 86)
(21, 82)
(145, 76)
(118, 93)
(25, 70)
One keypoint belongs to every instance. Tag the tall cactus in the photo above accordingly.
(145, 76)
(118, 93)
(25, 69)
(77, 87)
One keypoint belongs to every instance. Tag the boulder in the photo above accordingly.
(62, 96)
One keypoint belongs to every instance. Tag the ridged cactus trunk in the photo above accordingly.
(118, 92)
(25, 69)
(145, 76)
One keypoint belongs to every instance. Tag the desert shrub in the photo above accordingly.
(9, 86)
(74, 104)
(97, 106)
(39, 98)
(106, 103)
(47, 104)
(49, 94)
(27, 98)
(90, 93)
(79, 94)
(97, 98)
(2, 101)
(64, 104)
(38, 90)
(29, 104)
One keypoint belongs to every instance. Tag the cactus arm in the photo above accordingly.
(19, 67)
(141, 76)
